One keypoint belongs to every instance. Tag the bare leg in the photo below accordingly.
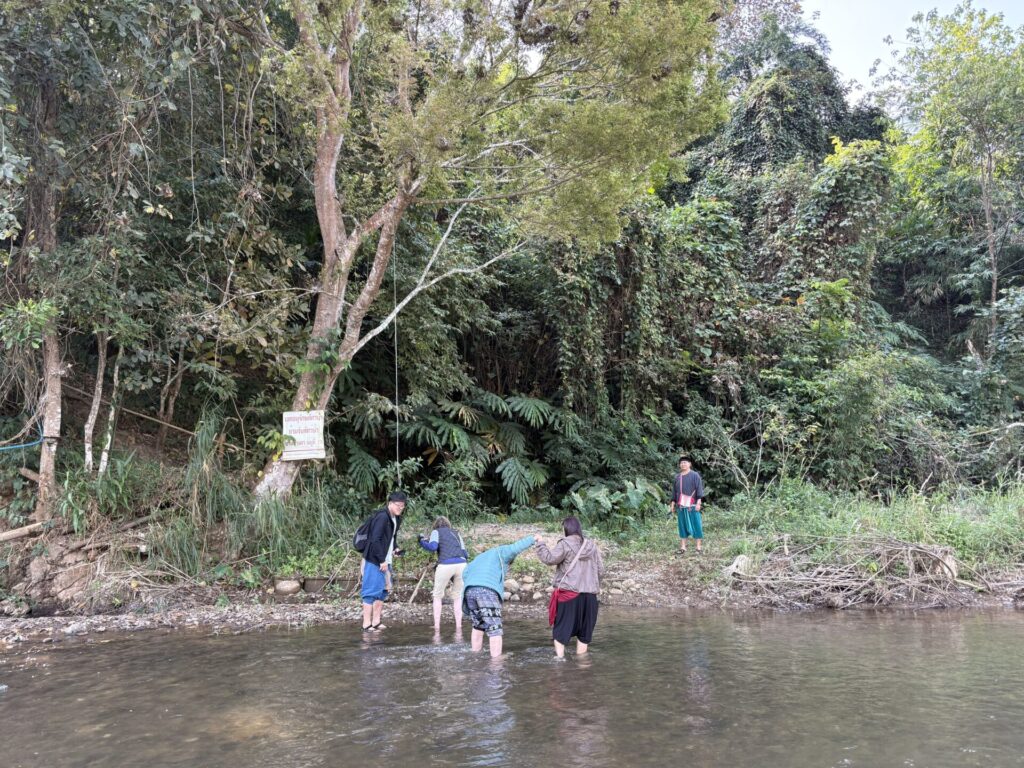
(495, 643)
(581, 647)
(378, 609)
(699, 541)
(458, 614)
(682, 545)
(559, 650)
(437, 614)
(476, 640)
(367, 615)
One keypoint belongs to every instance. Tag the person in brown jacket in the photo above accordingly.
(579, 568)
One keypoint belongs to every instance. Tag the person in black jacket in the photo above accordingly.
(381, 546)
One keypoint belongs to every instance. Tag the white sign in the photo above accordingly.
(303, 435)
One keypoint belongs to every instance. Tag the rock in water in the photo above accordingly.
(3, 688)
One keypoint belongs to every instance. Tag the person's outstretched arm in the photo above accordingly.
(431, 544)
(508, 551)
(552, 555)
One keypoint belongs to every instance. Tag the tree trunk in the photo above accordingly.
(993, 253)
(52, 372)
(97, 396)
(314, 392)
(168, 396)
(41, 228)
(331, 67)
(115, 397)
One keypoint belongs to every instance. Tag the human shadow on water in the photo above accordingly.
(696, 707)
(582, 718)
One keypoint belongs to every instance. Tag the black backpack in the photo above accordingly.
(362, 534)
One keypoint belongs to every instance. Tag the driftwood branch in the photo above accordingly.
(20, 533)
(418, 583)
(851, 571)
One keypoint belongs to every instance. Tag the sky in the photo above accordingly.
(855, 28)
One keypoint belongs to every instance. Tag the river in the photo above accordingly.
(720, 689)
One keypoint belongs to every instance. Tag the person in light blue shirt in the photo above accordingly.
(483, 589)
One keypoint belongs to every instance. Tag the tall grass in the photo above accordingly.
(983, 527)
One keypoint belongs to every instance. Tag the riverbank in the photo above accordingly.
(644, 571)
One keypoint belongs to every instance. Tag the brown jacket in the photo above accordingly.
(585, 575)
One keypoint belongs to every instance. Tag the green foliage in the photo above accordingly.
(616, 511)
(456, 493)
(23, 324)
(984, 528)
(955, 251)
(316, 562)
(521, 476)
(801, 299)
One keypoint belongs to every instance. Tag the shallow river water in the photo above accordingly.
(710, 690)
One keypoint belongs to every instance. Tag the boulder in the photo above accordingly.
(13, 608)
(511, 585)
(538, 595)
(287, 586)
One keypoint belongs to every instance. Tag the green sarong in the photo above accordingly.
(689, 523)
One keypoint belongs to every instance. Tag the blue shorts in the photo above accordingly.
(375, 585)
(689, 523)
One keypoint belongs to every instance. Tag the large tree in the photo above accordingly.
(556, 109)
(960, 84)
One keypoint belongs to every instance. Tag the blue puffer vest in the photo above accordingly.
(449, 546)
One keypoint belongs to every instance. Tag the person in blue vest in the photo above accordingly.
(381, 547)
(483, 590)
(687, 499)
(451, 562)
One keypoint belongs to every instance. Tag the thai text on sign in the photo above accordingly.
(303, 435)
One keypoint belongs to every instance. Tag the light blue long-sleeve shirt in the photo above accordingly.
(489, 569)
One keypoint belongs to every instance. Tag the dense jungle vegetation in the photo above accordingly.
(609, 232)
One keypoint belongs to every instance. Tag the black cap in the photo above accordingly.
(397, 496)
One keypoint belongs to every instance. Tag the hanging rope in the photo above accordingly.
(394, 283)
